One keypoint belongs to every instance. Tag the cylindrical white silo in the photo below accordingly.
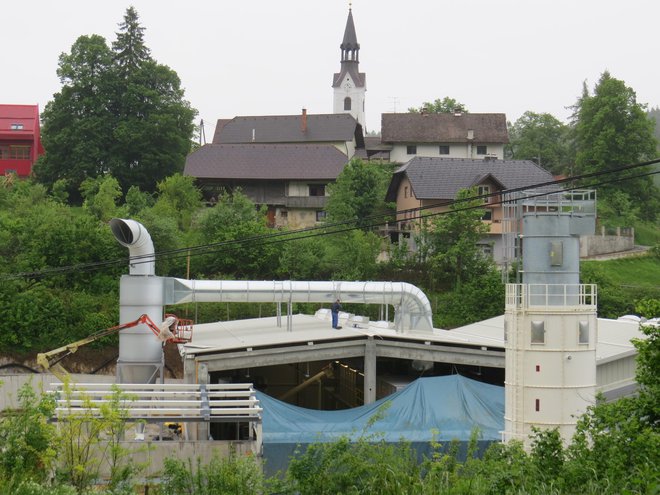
(550, 324)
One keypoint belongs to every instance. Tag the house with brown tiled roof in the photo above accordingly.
(432, 183)
(289, 179)
(339, 130)
(444, 135)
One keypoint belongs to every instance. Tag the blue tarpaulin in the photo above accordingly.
(438, 408)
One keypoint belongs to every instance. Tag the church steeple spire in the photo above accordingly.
(349, 84)
(350, 48)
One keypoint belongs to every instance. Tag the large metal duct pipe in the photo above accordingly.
(136, 238)
(140, 353)
(412, 307)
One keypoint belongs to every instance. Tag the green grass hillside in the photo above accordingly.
(623, 282)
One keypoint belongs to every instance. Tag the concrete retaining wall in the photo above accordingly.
(594, 245)
(151, 455)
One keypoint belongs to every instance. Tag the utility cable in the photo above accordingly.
(348, 225)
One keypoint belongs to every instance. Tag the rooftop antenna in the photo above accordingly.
(395, 100)
(202, 132)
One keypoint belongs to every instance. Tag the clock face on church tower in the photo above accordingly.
(348, 85)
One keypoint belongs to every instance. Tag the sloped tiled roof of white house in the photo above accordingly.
(319, 128)
(442, 178)
(444, 128)
(266, 161)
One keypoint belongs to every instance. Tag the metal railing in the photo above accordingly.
(160, 402)
(554, 296)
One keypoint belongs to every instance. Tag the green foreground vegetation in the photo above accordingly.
(615, 450)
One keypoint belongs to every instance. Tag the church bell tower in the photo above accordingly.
(349, 84)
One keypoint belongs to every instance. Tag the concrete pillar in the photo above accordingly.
(189, 370)
(203, 379)
(370, 371)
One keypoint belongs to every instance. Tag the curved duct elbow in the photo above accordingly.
(136, 238)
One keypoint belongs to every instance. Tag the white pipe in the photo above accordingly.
(136, 238)
(412, 307)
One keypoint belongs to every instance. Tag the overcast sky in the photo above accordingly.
(268, 57)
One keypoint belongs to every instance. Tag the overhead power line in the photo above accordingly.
(371, 221)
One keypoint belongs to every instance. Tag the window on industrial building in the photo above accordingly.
(317, 189)
(320, 216)
(347, 103)
(538, 332)
(443, 149)
(482, 149)
(16, 127)
(583, 332)
(411, 149)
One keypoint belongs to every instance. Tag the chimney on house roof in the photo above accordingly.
(303, 120)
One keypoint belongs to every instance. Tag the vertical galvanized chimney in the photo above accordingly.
(140, 292)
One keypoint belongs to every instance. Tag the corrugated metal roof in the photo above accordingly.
(266, 161)
(444, 128)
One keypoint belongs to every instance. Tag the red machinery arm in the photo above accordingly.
(172, 330)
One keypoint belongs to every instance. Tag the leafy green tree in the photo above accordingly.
(648, 307)
(137, 200)
(612, 130)
(101, 196)
(179, 199)
(359, 193)
(444, 105)
(352, 256)
(129, 48)
(119, 112)
(37, 233)
(453, 241)
(91, 436)
(302, 259)
(481, 297)
(232, 222)
(541, 138)
(77, 124)
(28, 439)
